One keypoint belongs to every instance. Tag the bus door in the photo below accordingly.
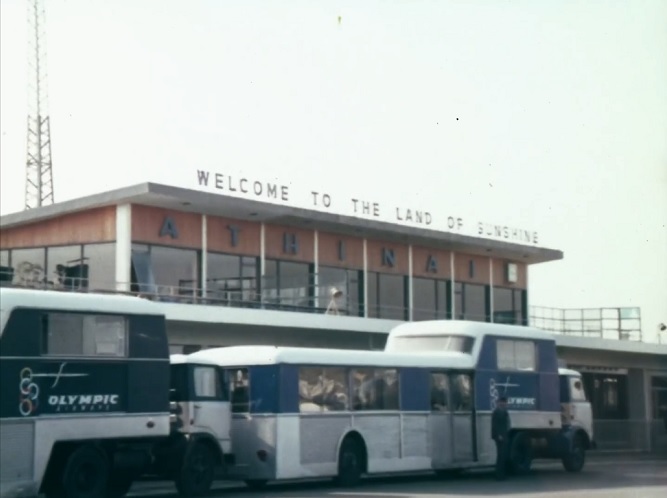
(463, 419)
(207, 406)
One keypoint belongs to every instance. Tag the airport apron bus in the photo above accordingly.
(84, 399)
(300, 413)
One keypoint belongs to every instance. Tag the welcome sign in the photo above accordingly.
(285, 193)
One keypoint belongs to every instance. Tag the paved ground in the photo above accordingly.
(603, 477)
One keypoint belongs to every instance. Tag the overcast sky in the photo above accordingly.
(549, 116)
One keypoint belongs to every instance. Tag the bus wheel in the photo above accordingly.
(256, 484)
(86, 473)
(575, 459)
(197, 471)
(521, 455)
(350, 463)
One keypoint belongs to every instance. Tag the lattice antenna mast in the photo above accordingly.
(39, 176)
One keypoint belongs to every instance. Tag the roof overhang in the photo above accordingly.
(182, 199)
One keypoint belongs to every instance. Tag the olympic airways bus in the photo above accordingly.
(312, 413)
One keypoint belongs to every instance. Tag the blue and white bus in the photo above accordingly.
(312, 413)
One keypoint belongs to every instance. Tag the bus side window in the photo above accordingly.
(461, 392)
(577, 392)
(439, 392)
(239, 390)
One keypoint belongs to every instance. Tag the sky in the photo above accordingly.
(549, 116)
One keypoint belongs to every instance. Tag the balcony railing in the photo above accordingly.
(605, 323)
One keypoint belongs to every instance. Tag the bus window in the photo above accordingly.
(577, 392)
(207, 383)
(76, 334)
(239, 390)
(375, 389)
(439, 392)
(461, 393)
(322, 389)
(516, 355)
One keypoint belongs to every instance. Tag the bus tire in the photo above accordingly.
(350, 463)
(521, 454)
(197, 471)
(576, 457)
(86, 473)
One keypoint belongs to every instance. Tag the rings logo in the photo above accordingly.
(29, 399)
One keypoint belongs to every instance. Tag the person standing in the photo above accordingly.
(500, 427)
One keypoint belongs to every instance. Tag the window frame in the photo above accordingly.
(502, 362)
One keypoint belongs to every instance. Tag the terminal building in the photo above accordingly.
(229, 270)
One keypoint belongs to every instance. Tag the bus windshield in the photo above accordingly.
(434, 343)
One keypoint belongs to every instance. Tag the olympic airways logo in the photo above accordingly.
(29, 389)
(495, 388)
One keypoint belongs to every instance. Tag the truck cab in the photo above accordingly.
(199, 448)
(576, 419)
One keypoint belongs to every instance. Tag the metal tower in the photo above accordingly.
(39, 177)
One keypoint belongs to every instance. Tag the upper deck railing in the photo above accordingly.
(606, 323)
(304, 295)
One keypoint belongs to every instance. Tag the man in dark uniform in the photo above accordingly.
(500, 427)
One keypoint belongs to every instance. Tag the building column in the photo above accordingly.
(491, 290)
(452, 303)
(410, 299)
(123, 275)
(365, 293)
(204, 255)
(316, 269)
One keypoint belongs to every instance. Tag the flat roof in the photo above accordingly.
(182, 199)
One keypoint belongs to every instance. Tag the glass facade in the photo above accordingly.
(29, 266)
(231, 279)
(508, 306)
(340, 291)
(608, 395)
(101, 265)
(430, 299)
(659, 398)
(471, 301)
(65, 268)
(387, 296)
(287, 284)
(6, 271)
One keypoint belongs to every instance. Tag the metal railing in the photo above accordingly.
(606, 323)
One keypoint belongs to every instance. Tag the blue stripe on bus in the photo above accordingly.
(264, 384)
(289, 389)
(415, 385)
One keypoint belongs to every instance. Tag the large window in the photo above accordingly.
(374, 389)
(231, 279)
(338, 291)
(322, 389)
(287, 284)
(167, 271)
(65, 268)
(471, 302)
(429, 299)
(387, 296)
(72, 334)
(508, 306)
(6, 271)
(608, 394)
(659, 398)
(100, 260)
(29, 266)
(516, 355)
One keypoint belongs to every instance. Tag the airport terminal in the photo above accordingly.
(241, 269)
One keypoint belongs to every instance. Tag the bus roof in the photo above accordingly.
(468, 328)
(12, 298)
(568, 371)
(270, 355)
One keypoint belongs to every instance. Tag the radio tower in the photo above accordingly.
(39, 177)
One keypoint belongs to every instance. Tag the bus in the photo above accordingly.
(300, 413)
(84, 397)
